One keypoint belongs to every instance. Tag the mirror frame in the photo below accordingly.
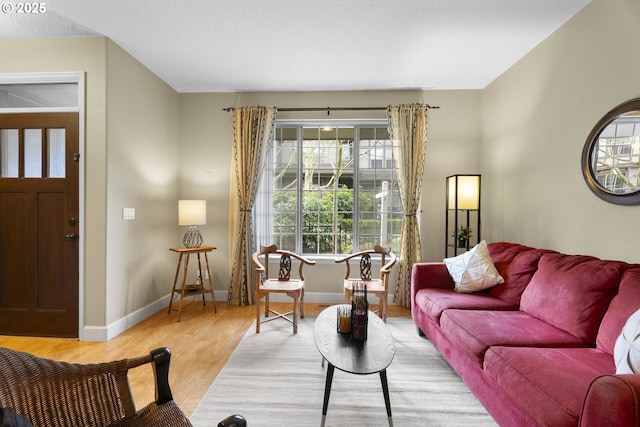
(587, 153)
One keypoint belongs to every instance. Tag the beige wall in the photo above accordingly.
(142, 173)
(206, 142)
(535, 121)
(205, 162)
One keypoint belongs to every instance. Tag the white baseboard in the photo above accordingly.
(105, 333)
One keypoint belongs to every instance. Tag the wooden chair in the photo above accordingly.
(60, 394)
(378, 287)
(280, 283)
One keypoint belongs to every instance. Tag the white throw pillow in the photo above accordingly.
(626, 353)
(473, 271)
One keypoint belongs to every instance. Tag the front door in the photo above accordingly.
(39, 227)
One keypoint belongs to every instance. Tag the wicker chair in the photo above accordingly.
(52, 394)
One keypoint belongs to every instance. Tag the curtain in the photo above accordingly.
(408, 130)
(252, 132)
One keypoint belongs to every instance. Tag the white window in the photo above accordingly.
(329, 188)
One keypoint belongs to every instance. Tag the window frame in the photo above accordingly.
(265, 232)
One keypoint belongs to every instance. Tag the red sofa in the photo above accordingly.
(537, 350)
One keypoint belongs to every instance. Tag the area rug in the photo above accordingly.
(275, 378)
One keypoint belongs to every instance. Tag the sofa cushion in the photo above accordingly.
(473, 270)
(572, 292)
(434, 301)
(547, 383)
(474, 331)
(623, 305)
(516, 264)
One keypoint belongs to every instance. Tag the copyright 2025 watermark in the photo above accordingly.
(23, 8)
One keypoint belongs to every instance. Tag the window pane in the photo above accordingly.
(379, 203)
(33, 153)
(284, 216)
(56, 152)
(9, 158)
(285, 154)
(309, 244)
(38, 95)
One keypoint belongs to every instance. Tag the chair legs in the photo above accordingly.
(257, 313)
(383, 308)
(298, 310)
(295, 315)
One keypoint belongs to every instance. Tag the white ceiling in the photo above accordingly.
(308, 45)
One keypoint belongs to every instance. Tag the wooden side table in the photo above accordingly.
(192, 290)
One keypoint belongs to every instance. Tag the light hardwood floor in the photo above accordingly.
(200, 344)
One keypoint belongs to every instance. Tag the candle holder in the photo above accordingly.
(343, 319)
(359, 311)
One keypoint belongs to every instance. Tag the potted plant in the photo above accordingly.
(462, 236)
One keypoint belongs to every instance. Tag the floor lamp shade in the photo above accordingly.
(192, 213)
(463, 192)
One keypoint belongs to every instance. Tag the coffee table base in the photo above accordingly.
(327, 393)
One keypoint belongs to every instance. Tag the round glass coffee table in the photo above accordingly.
(355, 357)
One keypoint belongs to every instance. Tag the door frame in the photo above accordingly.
(79, 79)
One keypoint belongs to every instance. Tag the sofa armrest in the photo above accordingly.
(429, 275)
(612, 400)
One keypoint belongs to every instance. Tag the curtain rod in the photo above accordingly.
(329, 109)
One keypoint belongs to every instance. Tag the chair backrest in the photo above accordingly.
(387, 261)
(52, 393)
(287, 259)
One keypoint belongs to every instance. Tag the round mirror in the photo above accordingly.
(611, 155)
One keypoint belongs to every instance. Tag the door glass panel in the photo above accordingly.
(9, 153)
(33, 153)
(55, 153)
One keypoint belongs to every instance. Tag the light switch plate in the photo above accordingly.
(128, 213)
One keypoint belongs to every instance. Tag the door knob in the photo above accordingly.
(71, 237)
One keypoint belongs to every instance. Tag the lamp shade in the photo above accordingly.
(465, 191)
(192, 212)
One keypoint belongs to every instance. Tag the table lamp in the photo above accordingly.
(192, 213)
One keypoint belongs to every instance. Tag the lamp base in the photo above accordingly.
(192, 238)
